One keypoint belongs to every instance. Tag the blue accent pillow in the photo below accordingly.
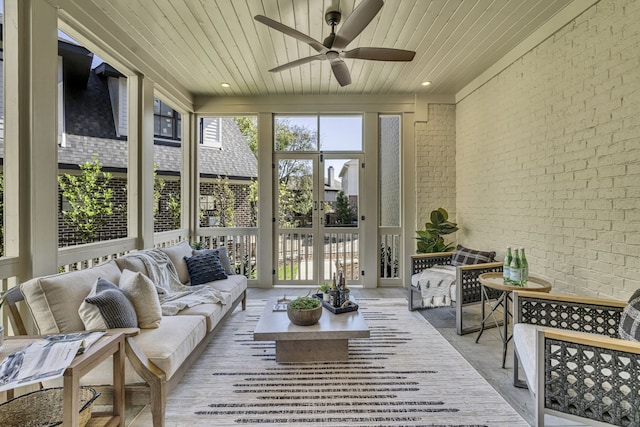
(115, 307)
(222, 254)
(204, 268)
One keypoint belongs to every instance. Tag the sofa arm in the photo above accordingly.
(570, 312)
(588, 376)
(421, 262)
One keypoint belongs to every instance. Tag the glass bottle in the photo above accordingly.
(505, 267)
(525, 267)
(515, 269)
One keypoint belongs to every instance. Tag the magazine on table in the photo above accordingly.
(44, 359)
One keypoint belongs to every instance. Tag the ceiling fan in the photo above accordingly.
(332, 48)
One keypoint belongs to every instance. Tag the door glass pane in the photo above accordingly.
(389, 171)
(341, 133)
(295, 193)
(341, 192)
(296, 133)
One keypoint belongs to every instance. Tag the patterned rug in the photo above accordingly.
(406, 374)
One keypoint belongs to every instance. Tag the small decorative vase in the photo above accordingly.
(326, 297)
(304, 317)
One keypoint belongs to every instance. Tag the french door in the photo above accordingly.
(317, 217)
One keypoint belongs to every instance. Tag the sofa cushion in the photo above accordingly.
(176, 254)
(144, 297)
(113, 305)
(204, 268)
(223, 255)
(235, 285)
(53, 301)
(132, 262)
(169, 345)
(629, 328)
(524, 342)
(212, 312)
(466, 256)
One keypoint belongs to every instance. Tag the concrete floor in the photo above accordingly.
(485, 356)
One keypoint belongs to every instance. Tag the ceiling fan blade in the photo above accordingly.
(340, 69)
(319, 47)
(379, 54)
(356, 22)
(297, 62)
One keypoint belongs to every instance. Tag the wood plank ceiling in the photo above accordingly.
(203, 43)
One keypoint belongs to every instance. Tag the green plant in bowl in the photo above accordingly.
(305, 303)
(304, 311)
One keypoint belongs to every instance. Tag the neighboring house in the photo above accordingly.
(93, 122)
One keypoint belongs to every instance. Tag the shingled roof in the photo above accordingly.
(90, 130)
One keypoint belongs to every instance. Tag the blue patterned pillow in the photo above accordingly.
(205, 268)
(222, 254)
(115, 307)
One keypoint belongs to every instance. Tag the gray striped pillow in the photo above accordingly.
(115, 307)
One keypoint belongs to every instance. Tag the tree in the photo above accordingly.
(174, 208)
(158, 186)
(249, 128)
(89, 197)
(294, 176)
(224, 202)
(344, 213)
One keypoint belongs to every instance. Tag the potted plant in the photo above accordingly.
(324, 289)
(430, 239)
(304, 311)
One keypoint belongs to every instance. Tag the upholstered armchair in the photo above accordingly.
(575, 363)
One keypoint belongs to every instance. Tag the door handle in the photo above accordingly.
(315, 205)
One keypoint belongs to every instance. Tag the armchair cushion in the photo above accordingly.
(629, 328)
(466, 256)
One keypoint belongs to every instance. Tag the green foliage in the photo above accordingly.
(305, 303)
(324, 288)
(249, 128)
(224, 202)
(158, 186)
(89, 196)
(430, 239)
(344, 213)
(174, 208)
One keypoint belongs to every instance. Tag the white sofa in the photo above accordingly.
(159, 356)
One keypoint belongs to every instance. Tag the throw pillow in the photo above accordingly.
(205, 268)
(176, 254)
(629, 328)
(144, 297)
(466, 256)
(223, 254)
(113, 305)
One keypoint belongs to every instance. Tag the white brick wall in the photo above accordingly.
(436, 164)
(548, 155)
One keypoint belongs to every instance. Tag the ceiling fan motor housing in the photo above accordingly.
(333, 17)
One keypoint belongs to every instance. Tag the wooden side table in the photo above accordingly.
(111, 344)
(496, 281)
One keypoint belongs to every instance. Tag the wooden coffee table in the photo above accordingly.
(327, 340)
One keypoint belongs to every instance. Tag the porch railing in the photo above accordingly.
(241, 244)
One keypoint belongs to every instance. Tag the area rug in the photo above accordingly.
(406, 374)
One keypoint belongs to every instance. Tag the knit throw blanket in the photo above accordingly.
(435, 285)
(174, 296)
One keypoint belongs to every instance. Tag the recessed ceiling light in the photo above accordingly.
(427, 83)
(225, 84)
